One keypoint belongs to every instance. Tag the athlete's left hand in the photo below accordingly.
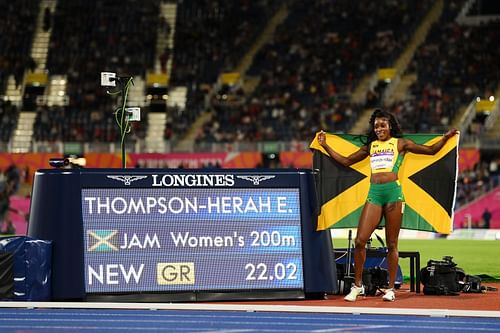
(450, 133)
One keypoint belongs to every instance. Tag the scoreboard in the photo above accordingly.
(155, 234)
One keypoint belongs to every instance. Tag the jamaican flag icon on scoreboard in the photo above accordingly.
(428, 182)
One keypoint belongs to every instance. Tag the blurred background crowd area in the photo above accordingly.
(212, 75)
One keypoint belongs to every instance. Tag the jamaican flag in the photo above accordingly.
(428, 182)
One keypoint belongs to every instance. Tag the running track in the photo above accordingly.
(233, 318)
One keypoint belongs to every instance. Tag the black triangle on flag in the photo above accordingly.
(437, 180)
(338, 177)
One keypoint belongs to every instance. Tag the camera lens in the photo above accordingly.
(58, 162)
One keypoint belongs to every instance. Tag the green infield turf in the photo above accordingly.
(475, 257)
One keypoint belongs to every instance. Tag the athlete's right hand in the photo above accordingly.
(321, 138)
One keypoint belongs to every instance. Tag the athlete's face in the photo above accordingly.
(382, 128)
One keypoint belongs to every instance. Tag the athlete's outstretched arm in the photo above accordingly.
(357, 156)
(413, 147)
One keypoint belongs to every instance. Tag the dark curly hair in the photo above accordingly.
(395, 128)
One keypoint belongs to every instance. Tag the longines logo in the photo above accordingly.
(127, 179)
(256, 179)
(193, 180)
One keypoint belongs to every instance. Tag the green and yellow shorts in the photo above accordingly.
(382, 194)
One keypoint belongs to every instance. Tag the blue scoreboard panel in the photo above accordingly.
(145, 234)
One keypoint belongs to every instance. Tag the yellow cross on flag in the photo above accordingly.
(428, 182)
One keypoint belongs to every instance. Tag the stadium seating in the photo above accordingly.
(307, 71)
(304, 73)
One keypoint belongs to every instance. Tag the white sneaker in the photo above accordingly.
(390, 295)
(354, 293)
